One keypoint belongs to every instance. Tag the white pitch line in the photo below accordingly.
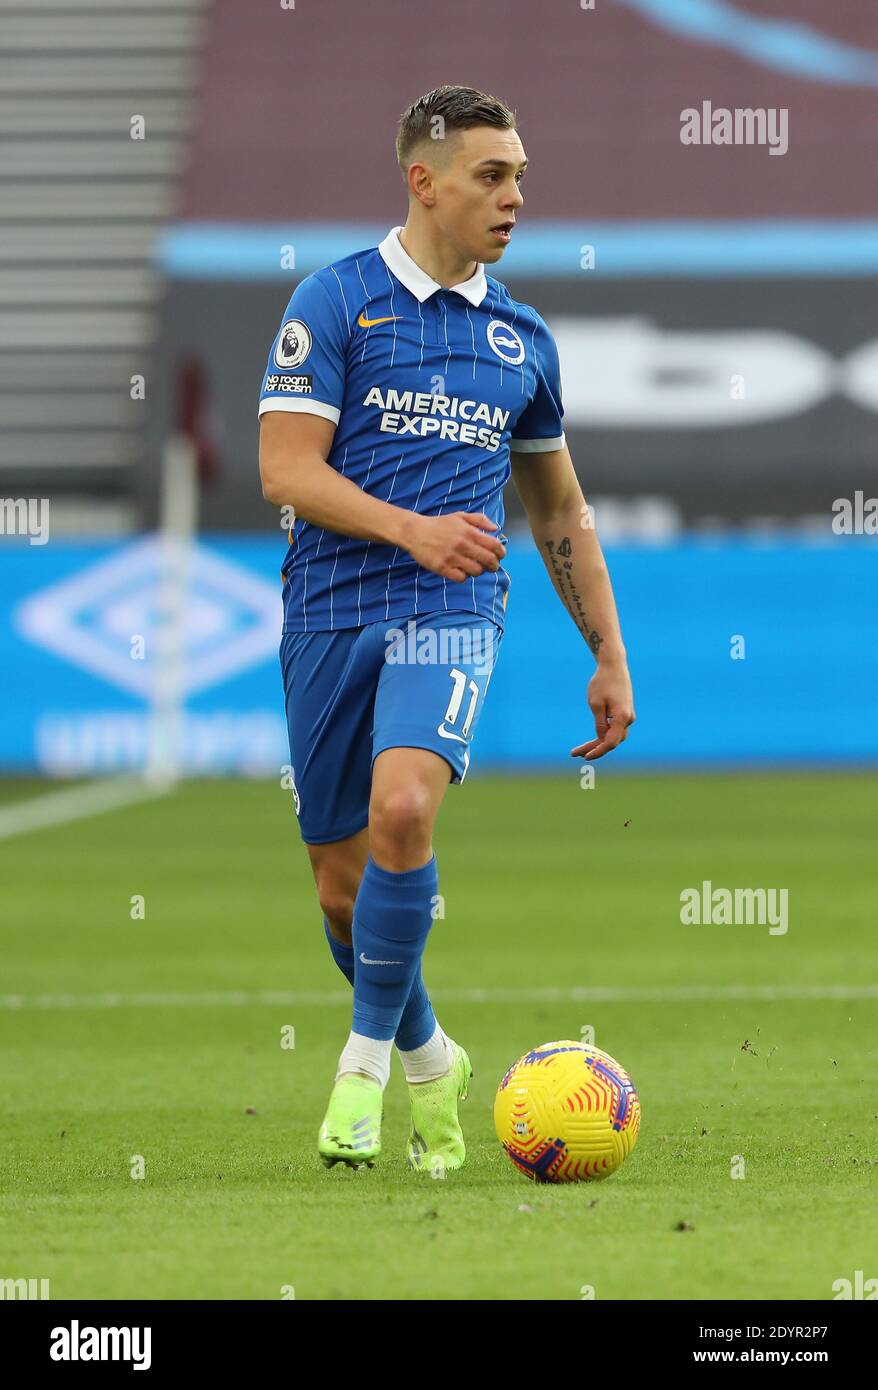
(748, 994)
(76, 803)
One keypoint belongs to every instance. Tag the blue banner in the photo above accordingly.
(741, 653)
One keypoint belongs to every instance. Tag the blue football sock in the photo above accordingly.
(392, 920)
(341, 954)
(418, 1022)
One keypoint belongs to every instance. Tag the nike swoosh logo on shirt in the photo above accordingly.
(370, 323)
(367, 961)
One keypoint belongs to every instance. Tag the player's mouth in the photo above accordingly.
(503, 232)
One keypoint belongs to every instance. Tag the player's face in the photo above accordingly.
(478, 193)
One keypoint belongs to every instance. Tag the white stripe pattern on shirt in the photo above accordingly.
(421, 317)
(393, 312)
(365, 552)
(473, 336)
(396, 551)
(472, 500)
(415, 508)
(337, 549)
(368, 302)
(451, 483)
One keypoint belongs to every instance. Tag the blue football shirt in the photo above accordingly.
(429, 389)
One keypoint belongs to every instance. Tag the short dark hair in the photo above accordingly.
(458, 108)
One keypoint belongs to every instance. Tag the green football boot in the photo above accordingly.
(351, 1130)
(436, 1141)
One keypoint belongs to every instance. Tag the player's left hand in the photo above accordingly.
(611, 701)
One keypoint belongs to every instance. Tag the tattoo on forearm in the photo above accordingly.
(562, 569)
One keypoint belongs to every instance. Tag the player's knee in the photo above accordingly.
(402, 815)
(337, 903)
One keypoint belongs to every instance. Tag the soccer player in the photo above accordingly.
(403, 389)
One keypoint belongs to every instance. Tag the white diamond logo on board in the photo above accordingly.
(231, 621)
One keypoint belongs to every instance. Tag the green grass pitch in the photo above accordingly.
(550, 891)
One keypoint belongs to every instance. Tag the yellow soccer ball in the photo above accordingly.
(567, 1112)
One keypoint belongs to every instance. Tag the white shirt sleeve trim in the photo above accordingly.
(536, 446)
(303, 405)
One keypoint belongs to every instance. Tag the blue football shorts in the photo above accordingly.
(416, 682)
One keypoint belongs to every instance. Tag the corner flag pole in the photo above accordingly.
(178, 529)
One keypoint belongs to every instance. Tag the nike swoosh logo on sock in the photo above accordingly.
(367, 961)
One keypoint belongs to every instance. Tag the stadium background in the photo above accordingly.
(269, 134)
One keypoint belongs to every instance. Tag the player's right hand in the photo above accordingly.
(457, 546)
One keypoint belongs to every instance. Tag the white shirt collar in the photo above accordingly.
(418, 282)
